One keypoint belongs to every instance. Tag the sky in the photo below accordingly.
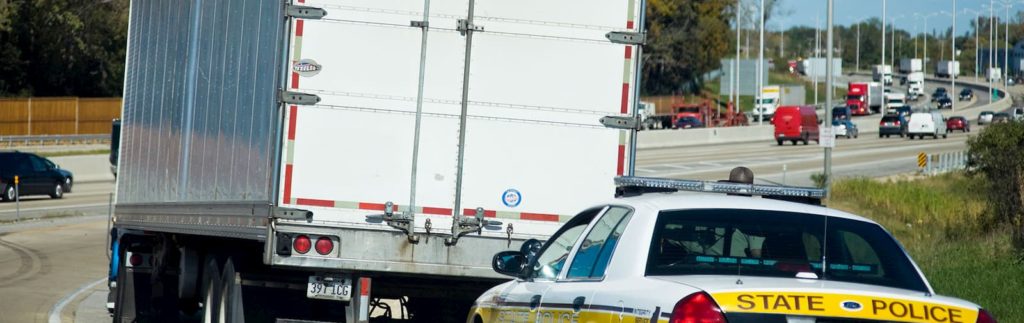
(847, 12)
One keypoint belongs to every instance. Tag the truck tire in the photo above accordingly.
(231, 306)
(211, 290)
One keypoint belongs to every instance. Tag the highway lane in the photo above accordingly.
(88, 198)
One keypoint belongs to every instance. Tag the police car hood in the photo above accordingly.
(760, 296)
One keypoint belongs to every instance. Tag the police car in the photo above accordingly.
(659, 256)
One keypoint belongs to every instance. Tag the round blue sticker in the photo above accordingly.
(511, 197)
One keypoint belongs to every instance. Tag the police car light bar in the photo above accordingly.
(667, 184)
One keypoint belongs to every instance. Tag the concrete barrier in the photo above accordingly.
(654, 139)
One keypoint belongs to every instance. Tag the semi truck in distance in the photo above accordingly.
(882, 73)
(947, 69)
(274, 168)
(767, 102)
(864, 98)
(910, 65)
(915, 84)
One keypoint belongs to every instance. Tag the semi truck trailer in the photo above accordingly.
(864, 98)
(312, 161)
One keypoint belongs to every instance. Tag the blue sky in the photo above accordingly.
(803, 12)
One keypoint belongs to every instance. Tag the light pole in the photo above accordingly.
(882, 62)
(952, 57)
(977, 35)
(817, 50)
(828, 98)
(858, 44)
(735, 84)
(760, 62)
(1006, 45)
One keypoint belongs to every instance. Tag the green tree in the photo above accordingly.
(686, 39)
(997, 154)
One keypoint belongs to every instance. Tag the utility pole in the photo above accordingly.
(858, 45)
(924, 62)
(760, 62)
(817, 51)
(991, 40)
(829, 78)
(883, 54)
(1006, 47)
(952, 58)
(736, 71)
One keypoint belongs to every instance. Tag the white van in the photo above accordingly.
(929, 123)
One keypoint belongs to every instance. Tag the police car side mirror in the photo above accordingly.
(531, 248)
(509, 263)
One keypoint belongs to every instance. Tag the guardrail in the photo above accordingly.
(934, 164)
(10, 141)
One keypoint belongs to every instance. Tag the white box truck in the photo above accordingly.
(915, 84)
(882, 73)
(995, 74)
(767, 102)
(910, 65)
(947, 69)
(299, 162)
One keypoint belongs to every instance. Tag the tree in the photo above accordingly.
(686, 39)
(62, 47)
(997, 154)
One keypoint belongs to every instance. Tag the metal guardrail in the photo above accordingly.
(934, 164)
(56, 139)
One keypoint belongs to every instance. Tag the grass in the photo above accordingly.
(74, 153)
(943, 223)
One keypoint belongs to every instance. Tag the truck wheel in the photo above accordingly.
(230, 307)
(57, 191)
(880, 136)
(779, 142)
(211, 290)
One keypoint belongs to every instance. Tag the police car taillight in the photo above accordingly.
(697, 308)
(985, 317)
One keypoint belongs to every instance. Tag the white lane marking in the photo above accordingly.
(59, 307)
(50, 208)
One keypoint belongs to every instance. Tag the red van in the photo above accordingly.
(795, 123)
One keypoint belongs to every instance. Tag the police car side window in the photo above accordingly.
(596, 250)
(552, 259)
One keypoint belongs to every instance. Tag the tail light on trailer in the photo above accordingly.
(324, 245)
(698, 308)
(985, 317)
(135, 260)
(302, 244)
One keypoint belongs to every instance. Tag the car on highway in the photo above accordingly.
(892, 124)
(985, 117)
(929, 123)
(1001, 117)
(944, 103)
(966, 94)
(842, 123)
(688, 122)
(958, 123)
(655, 255)
(36, 175)
(795, 123)
(940, 92)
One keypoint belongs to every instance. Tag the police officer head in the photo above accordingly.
(741, 175)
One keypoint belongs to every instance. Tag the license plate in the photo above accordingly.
(329, 288)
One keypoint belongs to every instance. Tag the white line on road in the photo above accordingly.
(50, 208)
(59, 307)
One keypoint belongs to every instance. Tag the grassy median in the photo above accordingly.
(944, 224)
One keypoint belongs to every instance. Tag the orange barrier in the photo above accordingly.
(57, 116)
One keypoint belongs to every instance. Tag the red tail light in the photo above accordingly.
(985, 317)
(897, 122)
(302, 244)
(324, 245)
(697, 308)
(135, 260)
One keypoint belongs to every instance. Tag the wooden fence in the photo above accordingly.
(57, 116)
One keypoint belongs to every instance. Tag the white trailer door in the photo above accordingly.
(534, 151)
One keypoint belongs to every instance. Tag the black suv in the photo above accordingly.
(36, 176)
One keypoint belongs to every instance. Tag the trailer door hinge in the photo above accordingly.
(299, 98)
(304, 12)
(621, 122)
(464, 26)
(420, 24)
(292, 214)
(627, 38)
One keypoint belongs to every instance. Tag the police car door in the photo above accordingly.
(524, 298)
(570, 298)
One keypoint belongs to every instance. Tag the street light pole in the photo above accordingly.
(829, 78)
(883, 55)
(736, 62)
(760, 62)
(952, 58)
(991, 40)
(858, 45)
(1006, 47)
(817, 50)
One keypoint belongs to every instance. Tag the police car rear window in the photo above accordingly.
(778, 244)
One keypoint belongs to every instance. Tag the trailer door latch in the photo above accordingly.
(404, 221)
(298, 98)
(304, 12)
(626, 38)
(621, 122)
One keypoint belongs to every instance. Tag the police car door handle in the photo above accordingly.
(577, 303)
(534, 302)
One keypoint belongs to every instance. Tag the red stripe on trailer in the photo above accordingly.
(629, 24)
(364, 286)
(538, 216)
(292, 114)
(299, 24)
(629, 52)
(375, 206)
(314, 202)
(487, 213)
(287, 184)
(437, 210)
(625, 98)
(622, 160)
(295, 80)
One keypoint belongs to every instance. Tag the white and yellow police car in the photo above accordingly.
(677, 257)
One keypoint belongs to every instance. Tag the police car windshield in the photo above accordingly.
(777, 244)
